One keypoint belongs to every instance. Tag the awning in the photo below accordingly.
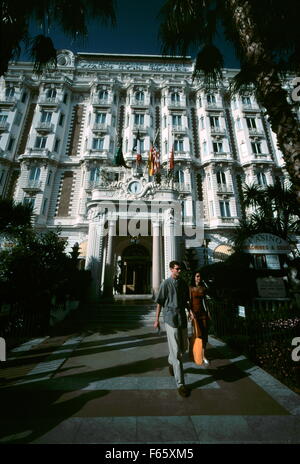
(222, 252)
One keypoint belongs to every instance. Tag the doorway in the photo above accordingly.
(135, 271)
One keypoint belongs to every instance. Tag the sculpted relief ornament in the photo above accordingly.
(96, 213)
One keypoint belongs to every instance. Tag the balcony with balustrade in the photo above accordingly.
(179, 129)
(102, 102)
(140, 103)
(182, 187)
(49, 102)
(218, 156)
(37, 153)
(8, 101)
(254, 132)
(45, 127)
(176, 104)
(255, 158)
(33, 186)
(228, 220)
(225, 188)
(182, 156)
(96, 154)
(214, 130)
(213, 106)
(100, 127)
(142, 128)
(250, 108)
(4, 126)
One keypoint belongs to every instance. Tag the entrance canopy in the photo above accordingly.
(267, 244)
(222, 252)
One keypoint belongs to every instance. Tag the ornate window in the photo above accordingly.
(139, 96)
(103, 95)
(225, 209)
(175, 97)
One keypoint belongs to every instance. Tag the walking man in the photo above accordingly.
(173, 296)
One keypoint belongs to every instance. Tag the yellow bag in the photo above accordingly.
(197, 345)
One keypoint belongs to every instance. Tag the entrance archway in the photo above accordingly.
(135, 270)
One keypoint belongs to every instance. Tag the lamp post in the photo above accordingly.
(205, 246)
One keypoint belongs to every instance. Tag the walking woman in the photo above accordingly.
(198, 308)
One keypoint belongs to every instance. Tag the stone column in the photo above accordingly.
(155, 257)
(95, 251)
(109, 265)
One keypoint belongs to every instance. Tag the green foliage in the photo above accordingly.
(70, 15)
(36, 269)
(276, 212)
(14, 216)
(232, 280)
(192, 24)
(264, 54)
(43, 53)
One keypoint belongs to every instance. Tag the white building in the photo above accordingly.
(59, 136)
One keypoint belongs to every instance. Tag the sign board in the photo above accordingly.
(241, 310)
(2, 349)
(266, 244)
(271, 287)
(272, 262)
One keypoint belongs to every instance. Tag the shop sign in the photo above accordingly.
(266, 244)
(271, 287)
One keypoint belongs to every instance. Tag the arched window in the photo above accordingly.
(211, 99)
(95, 174)
(51, 93)
(175, 97)
(261, 179)
(221, 177)
(9, 92)
(139, 96)
(103, 95)
(98, 143)
(34, 174)
(179, 176)
(178, 145)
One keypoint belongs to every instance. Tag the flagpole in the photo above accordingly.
(168, 154)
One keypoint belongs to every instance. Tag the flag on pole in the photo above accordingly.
(150, 161)
(119, 158)
(154, 158)
(171, 158)
(171, 155)
(137, 148)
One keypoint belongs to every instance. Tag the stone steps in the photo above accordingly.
(124, 313)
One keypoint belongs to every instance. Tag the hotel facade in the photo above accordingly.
(60, 134)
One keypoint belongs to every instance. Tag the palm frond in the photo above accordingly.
(243, 81)
(43, 53)
(185, 24)
(209, 62)
(253, 195)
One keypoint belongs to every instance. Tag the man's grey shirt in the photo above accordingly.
(173, 295)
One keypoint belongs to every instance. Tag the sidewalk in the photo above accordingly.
(95, 383)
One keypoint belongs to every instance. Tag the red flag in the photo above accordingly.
(155, 159)
(150, 162)
(137, 148)
(171, 159)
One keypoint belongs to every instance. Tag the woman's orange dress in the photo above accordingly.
(196, 302)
